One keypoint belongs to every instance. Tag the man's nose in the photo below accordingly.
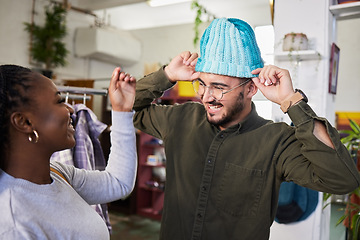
(207, 96)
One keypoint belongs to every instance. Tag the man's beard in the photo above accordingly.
(233, 111)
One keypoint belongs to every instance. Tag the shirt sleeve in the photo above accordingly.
(149, 117)
(118, 179)
(317, 165)
(150, 87)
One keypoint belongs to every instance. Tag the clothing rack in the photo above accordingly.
(82, 90)
(75, 96)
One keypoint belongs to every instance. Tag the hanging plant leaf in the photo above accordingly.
(200, 11)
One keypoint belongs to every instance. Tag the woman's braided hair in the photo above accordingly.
(15, 82)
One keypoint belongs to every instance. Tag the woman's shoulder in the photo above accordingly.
(64, 171)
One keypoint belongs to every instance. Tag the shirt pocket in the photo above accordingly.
(240, 191)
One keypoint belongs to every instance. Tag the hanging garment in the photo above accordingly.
(65, 156)
(295, 203)
(87, 153)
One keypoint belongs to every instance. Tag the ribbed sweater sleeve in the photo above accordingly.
(118, 179)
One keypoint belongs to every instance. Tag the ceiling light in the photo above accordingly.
(157, 3)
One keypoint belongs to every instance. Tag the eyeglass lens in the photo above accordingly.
(214, 92)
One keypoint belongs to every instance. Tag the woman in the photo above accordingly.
(43, 200)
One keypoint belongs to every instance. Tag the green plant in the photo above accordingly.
(293, 43)
(352, 140)
(200, 11)
(352, 210)
(47, 46)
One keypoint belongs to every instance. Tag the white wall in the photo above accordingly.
(13, 40)
(307, 75)
(348, 89)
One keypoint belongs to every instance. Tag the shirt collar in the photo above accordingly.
(251, 122)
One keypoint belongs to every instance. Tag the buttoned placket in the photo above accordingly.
(205, 184)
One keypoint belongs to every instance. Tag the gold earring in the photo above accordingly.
(36, 137)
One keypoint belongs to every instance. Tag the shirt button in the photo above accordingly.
(204, 188)
(209, 160)
(199, 215)
(221, 135)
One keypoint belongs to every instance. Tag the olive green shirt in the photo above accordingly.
(225, 184)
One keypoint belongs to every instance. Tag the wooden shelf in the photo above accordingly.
(297, 55)
(152, 165)
(346, 10)
(149, 199)
(153, 189)
(153, 145)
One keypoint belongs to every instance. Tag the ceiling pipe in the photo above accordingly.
(68, 6)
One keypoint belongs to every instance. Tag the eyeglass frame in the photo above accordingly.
(222, 91)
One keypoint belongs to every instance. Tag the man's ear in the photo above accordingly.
(251, 89)
(21, 122)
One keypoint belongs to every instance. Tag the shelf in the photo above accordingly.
(152, 189)
(297, 55)
(346, 10)
(153, 145)
(152, 164)
(150, 197)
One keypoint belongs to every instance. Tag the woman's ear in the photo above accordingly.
(21, 122)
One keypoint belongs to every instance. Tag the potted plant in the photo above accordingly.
(47, 47)
(295, 42)
(351, 217)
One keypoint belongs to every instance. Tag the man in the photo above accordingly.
(225, 163)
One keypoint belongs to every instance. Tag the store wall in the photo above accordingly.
(14, 42)
(312, 18)
(308, 75)
(348, 89)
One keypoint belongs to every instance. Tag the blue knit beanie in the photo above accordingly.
(228, 47)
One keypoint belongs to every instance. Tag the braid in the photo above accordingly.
(14, 84)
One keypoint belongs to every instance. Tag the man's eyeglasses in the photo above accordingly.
(215, 92)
